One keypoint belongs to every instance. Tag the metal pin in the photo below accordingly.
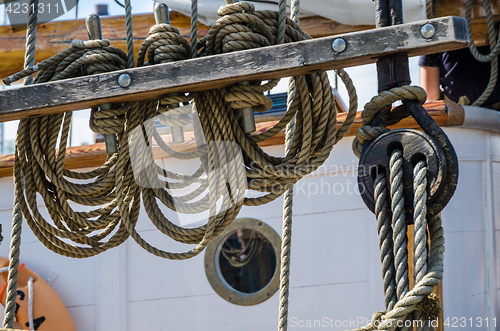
(162, 16)
(339, 45)
(93, 24)
(428, 31)
(161, 13)
(124, 80)
(247, 115)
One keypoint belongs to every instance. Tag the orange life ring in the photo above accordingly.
(49, 312)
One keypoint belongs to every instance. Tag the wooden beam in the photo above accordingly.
(223, 70)
(95, 155)
(53, 37)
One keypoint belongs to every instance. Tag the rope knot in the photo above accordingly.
(90, 44)
(233, 8)
(377, 103)
(164, 44)
(365, 133)
(387, 98)
(250, 96)
(107, 120)
(430, 306)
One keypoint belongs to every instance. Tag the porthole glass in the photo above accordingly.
(242, 264)
(247, 261)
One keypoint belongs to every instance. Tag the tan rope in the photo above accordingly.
(376, 104)
(115, 189)
(17, 217)
(494, 49)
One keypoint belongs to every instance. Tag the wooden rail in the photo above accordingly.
(222, 70)
(53, 37)
(445, 114)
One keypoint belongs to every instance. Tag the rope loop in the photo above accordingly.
(90, 44)
(164, 44)
(376, 104)
(233, 8)
(109, 121)
(250, 96)
(387, 98)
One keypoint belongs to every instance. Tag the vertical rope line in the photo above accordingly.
(17, 219)
(494, 49)
(385, 241)
(194, 27)
(399, 224)
(281, 21)
(288, 196)
(29, 55)
(420, 229)
(130, 35)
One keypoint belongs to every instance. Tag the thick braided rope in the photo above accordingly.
(288, 196)
(421, 291)
(494, 49)
(376, 104)
(114, 186)
(130, 34)
(194, 28)
(420, 227)
(286, 242)
(426, 285)
(428, 267)
(17, 217)
(399, 236)
(386, 243)
(432, 8)
(43, 168)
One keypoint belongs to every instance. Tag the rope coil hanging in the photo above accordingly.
(114, 188)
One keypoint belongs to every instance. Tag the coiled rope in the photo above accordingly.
(117, 188)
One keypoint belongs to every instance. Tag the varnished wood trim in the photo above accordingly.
(95, 155)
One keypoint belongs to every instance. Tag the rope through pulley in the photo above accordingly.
(405, 177)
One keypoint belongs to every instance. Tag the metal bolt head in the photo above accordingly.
(428, 31)
(124, 80)
(339, 45)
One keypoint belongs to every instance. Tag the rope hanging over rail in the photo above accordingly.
(115, 190)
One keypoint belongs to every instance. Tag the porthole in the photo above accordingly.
(243, 263)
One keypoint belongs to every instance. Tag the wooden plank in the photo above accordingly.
(226, 69)
(95, 155)
(54, 37)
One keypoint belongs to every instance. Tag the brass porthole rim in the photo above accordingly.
(215, 277)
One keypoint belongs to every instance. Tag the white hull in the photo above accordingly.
(335, 267)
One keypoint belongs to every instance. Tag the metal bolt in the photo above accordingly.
(428, 31)
(124, 80)
(339, 45)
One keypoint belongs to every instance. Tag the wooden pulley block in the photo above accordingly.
(415, 146)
